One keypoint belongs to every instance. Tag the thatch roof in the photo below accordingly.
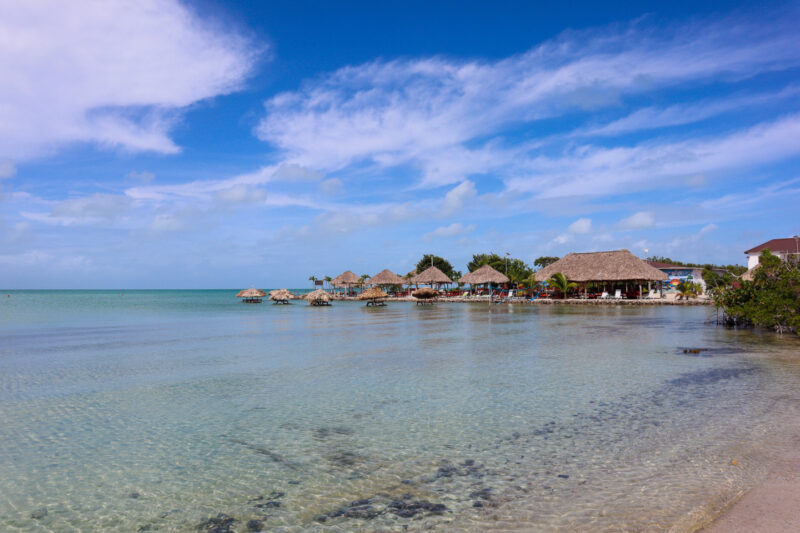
(485, 274)
(386, 277)
(281, 294)
(617, 265)
(430, 276)
(318, 296)
(251, 293)
(345, 278)
(372, 293)
(425, 293)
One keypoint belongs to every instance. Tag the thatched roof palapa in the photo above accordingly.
(281, 295)
(318, 296)
(617, 265)
(485, 274)
(386, 277)
(345, 278)
(251, 293)
(430, 276)
(372, 293)
(425, 293)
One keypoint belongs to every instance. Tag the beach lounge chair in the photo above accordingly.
(618, 294)
(604, 296)
(654, 294)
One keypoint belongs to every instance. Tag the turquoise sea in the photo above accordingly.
(187, 410)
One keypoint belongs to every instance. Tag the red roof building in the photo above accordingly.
(783, 248)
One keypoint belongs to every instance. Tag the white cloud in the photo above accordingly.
(640, 220)
(445, 117)
(110, 72)
(332, 186)
(144, 176)
(455, 229)
(240, 194)
(7, 169)
(582, 225)
(708, 228)
(291, 172)
(456, 197)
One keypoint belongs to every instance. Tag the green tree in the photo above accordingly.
(439, 262)
(771, 300)
(560, 282)
(313, 280)
(688, 289)
(518, 271)
(544, 261)
(328, 279)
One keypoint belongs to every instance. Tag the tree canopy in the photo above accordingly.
(545, 260)
(771, 300)
(518, 270)
(440, 263)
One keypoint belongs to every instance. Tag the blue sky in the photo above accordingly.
(156, 144)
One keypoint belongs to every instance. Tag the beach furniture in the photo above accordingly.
(618, 294)
(374, 296)
(604, 296)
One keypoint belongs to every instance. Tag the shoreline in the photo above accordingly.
(543, 301)
(771, 505)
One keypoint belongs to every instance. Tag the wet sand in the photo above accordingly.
(774, 505)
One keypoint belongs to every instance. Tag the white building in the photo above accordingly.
(783, 248)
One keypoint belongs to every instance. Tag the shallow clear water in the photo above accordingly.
(160, 409)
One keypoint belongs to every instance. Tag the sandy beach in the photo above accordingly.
(771, 506)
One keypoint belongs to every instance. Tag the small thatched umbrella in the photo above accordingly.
(425, 295)
(482, 276)
(386, 277)
(346, 279)
(318, 297)
(431, 276)
(374, 296)
(281, 296)
(251, 295)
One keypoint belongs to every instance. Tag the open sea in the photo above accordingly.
(188, 410)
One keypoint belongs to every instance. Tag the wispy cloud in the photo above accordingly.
(447, 118)
(456, 229)
(113, 73)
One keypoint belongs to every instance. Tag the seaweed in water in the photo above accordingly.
(713, 375)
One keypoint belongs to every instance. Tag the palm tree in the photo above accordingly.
(560, 282)
(687, 290)
(363, 279)
(313, 280)
(328, 279)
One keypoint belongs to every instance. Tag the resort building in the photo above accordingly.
(677, 274)
(783, 248)
(617, 270)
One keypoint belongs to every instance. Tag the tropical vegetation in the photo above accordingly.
(517, 270)
(560, 283)
(771, 300)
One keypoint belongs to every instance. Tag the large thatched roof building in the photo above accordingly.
(386, 277)
(431, 276)
(483, 275)
(617, 265)
(345, 279)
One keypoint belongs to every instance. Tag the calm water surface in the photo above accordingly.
(157, 410)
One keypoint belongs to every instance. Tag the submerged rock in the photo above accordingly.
(221, 523)
(255, 525)
(40, 513)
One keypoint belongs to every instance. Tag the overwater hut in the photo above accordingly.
(281, 296)
(385, 278)
(318, 297)
(425, 295)
(485, 275)
(346, 279)
(431, 276)
(373, 296)
(619, 268)
(251, 295)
